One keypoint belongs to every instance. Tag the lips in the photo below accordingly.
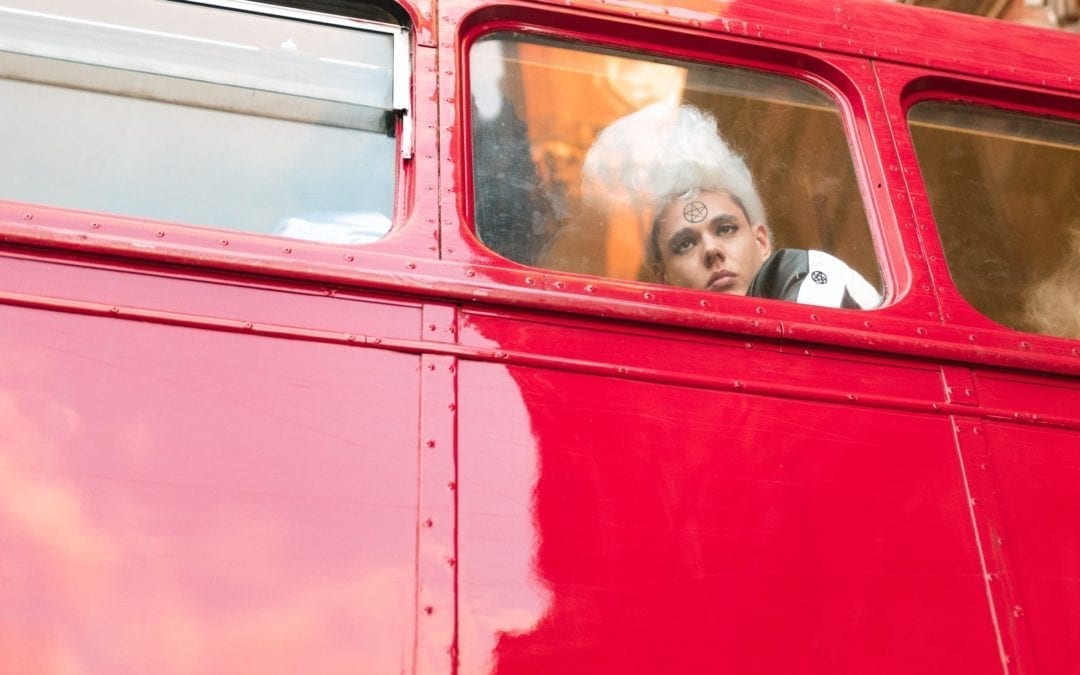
(721, 281)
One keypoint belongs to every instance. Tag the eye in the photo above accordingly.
(727, 228)
(681, 245)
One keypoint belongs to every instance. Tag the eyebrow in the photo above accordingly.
(725, 218)
(686, 230)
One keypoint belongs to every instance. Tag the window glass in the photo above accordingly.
(569, 148)
(1005, 192)
(186, 112)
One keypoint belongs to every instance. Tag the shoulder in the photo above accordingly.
(813, 278)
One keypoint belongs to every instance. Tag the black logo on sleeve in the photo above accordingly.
(819, 277)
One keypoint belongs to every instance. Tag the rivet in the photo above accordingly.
(349, 257)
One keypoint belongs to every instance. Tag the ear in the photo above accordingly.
(761, 236)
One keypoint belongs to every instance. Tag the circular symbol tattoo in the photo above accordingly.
(819, 277)
(695, 212)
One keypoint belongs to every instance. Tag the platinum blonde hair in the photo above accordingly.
(665, 152)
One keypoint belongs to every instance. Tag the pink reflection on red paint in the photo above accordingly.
(500, 592)
(160, 514)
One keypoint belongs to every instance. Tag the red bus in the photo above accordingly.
(325, 351)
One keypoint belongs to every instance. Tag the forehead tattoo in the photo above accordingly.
(695, 212)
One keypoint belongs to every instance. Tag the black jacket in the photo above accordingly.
(812, 278)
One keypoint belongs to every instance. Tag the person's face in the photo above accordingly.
(707, 243)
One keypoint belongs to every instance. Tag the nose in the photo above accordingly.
(714, 251)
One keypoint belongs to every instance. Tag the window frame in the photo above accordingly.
(830, 74)
(177, 241)
(912, 85)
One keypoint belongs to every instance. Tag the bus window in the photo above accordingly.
(564, 138)
(267, 119)
(1005, 191)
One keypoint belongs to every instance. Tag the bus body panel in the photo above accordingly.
(228, 452)
(183, 499)
(648, 525)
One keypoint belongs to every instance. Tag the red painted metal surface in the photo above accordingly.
(676, 529)
(180, 500)
(1036, 473)
(224, 453)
